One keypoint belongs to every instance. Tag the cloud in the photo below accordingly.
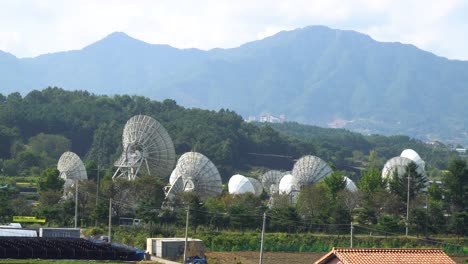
(33, 27)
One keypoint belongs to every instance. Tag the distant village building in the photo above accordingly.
(385, 256)
(269, 118)
(461, 151)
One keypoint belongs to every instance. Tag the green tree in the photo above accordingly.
(419, 220)
(334, 183)
(6, 207)
(372, 182)
(456, 182)
(49, 145)
(49, 180)
(399, 184)
(283, 219)
(216, 213)
(314, 204)
(389, 223)
(459, 224)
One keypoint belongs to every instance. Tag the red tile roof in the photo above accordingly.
(386, 256)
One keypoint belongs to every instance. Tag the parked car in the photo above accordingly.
(195, 260)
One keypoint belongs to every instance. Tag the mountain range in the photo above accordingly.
(313, 75)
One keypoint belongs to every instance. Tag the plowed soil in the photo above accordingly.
(252, 257)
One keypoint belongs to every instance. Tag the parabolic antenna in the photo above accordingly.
(414, 156)
(239, 184)
(350, 186)
(395, 164)
(145, 143)
(258, 187)
(176, 187)
(197, 174)
(71, 168)
(309, 170)
(288, 185)
(271, 180)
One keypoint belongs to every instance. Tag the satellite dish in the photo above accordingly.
(288, 186)
(258, 187)
(198, 174)
(309, 170)
(176, 187)
(350, 185)
(397, 164)
(71, 168)
(173, 177)
(239, 184)
(145, 143)
(271, 180)
(414, 156)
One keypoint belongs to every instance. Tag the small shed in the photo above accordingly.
(173, 248)
(59, 232)
(385, 256)
(14, 232)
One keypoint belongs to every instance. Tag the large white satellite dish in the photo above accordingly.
(176, 187)
(309, 170)
(71, 167)
(145, 143)
(198, 174)
(414, 156)
(239, 184)
(271, 180)
(288, 186)
(395, 164)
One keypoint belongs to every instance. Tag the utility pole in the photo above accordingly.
(76, 203)
(97, 194)
(98, 183)
(351, 236)
(427, 213)
(186, 232)
(261, 243)
(407, 202)
(110, 219)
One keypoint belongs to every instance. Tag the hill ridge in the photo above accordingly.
(313, 75)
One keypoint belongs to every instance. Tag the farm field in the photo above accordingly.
(251, 257)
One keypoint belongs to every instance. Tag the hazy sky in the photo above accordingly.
(32, 27)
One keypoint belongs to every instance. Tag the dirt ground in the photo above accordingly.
(252, 257)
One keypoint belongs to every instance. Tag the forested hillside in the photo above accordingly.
(36, 129)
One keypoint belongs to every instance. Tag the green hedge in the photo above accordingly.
(307, 242)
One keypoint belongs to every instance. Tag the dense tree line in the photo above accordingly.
(37, 128)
